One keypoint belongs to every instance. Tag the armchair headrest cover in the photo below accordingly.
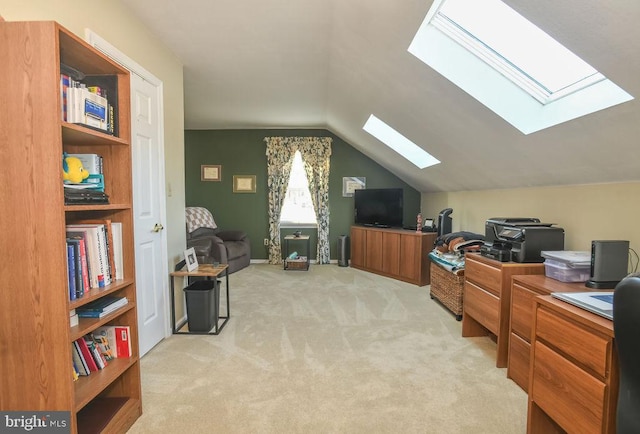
(198, 217)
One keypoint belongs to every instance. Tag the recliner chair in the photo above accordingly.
(211, 244)
(626, 328)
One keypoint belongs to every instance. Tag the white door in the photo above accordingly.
(147, 151)
(148, 206)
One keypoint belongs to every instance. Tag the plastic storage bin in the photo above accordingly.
(564, 272)
(201, 314)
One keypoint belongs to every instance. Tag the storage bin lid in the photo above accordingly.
(572, 258)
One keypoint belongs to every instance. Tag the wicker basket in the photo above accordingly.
(447, 287)
(300, 263)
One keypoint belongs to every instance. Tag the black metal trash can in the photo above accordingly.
(343, 251)
(201, 305)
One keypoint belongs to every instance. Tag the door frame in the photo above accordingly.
(112, 52)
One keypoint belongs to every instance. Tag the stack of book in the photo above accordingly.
(94, 255)
(101, 307)
(94, 351)
(87, 104)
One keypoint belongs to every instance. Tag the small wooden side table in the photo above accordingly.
(210, 272)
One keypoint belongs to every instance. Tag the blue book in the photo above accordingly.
(78, 266)
(71, 271)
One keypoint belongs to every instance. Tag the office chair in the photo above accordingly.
(626, 327)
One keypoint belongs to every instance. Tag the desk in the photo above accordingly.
(487, 299)
(210, 272)
(524, 289)
(573, 377)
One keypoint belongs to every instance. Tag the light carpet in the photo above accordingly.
(329, 350)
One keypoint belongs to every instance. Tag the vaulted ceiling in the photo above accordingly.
(332, 63)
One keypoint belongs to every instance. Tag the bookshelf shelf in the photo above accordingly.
(36, 362)
(87, 388)
(96, 293)
(79, 135)
(87, 325)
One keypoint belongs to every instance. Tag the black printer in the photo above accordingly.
(520, 239)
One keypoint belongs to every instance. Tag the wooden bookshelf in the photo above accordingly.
(35, 342)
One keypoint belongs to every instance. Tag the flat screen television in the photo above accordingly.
(381, 207)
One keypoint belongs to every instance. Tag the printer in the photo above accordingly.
(520, 239)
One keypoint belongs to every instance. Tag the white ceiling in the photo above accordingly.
(332, 63)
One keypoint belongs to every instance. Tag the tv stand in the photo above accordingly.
(394, 253)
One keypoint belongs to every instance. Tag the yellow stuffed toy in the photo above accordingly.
(72, 170)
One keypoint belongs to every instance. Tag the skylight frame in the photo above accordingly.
(399, 143)
(459, 21)
(498, 93)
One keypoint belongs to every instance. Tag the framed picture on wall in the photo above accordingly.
(210, 172)
(244, 183)
(351, 184)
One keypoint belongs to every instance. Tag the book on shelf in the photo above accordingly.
(113, 233)
(71, 273)
(101, 307)
(89, 100)
(101, 362)
(119, 338)
(102, 343)
(118, 258)
(97, 252)
(64, 86)
(81, 237)
(86, 355)
(78, 360)
(77, 267)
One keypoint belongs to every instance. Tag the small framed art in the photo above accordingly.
(210, 172)
(351, 184)
(244, 183)
(191, 259)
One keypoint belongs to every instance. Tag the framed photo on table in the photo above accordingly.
(210, 172)
(191, 259)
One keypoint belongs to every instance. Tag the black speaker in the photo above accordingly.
(609, 263)
(343, 251)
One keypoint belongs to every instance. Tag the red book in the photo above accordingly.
(86, 354)
(119, 338)
(83, 258)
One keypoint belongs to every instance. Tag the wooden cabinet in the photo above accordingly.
(524, 289)
(487, 299)
(396, 253)
(573, 380)
(35, 343)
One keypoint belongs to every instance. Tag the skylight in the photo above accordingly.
(510, 65)
(399, 143)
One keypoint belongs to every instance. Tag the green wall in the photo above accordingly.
(242, 152)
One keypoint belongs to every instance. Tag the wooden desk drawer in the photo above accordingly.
(522, 311)
(576, 342)
(482, 306)
(483, 275)
(569, 395)
(518, 367)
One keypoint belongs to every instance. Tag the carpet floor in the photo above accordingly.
(329, 350)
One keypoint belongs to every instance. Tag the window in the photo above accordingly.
(399, 143)
(527, 77)
(297, 209)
